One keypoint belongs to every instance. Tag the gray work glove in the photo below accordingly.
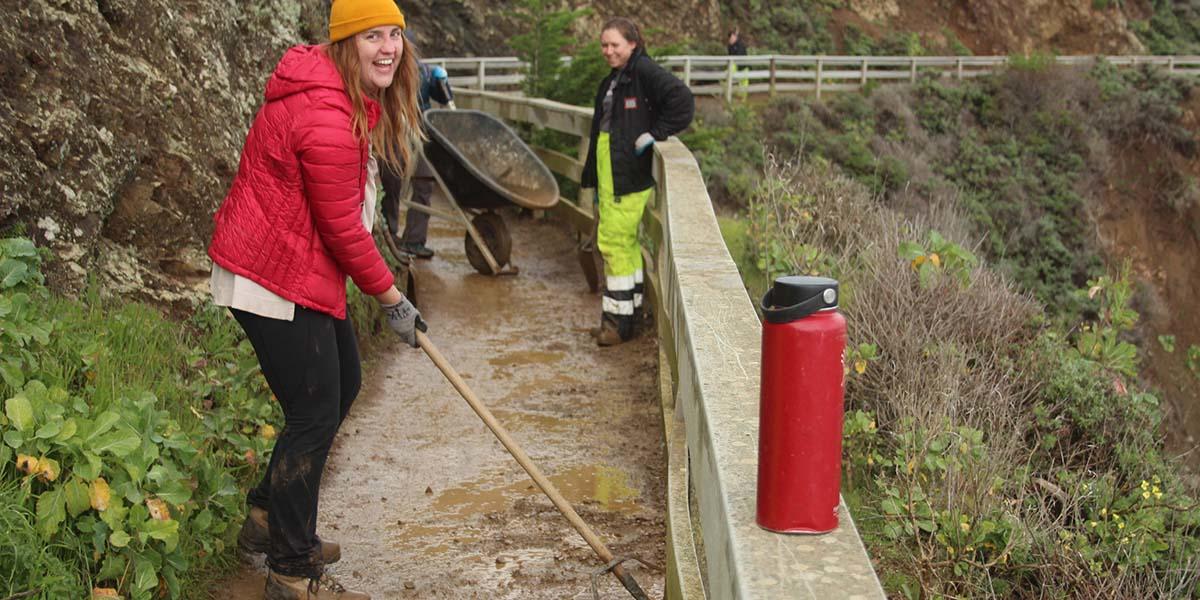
(405, 320)
(643, 143)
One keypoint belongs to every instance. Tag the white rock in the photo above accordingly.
(49, 227)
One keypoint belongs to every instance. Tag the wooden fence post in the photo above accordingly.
(482, 72)
(1170, 65)
(863, 80)
(687, 71)
(958, 65)
(729, 80)
(771, 87)
(912, 70)
(818, 78)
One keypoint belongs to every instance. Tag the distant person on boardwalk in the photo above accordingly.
(435, 85)
(637, 104)
(295, 223)
(735, 45)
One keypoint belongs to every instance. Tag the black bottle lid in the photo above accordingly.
(794, 297)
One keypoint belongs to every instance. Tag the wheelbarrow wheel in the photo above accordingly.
(494, 232)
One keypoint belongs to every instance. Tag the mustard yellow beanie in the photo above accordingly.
(348, 17)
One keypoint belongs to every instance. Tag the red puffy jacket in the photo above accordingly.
(292, 221)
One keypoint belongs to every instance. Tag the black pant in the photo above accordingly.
(312, 366)
(416, 224)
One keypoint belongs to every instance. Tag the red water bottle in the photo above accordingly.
(801, 406)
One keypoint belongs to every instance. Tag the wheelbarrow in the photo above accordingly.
(481, 165)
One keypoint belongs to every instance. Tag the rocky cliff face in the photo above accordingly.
(997, 27)
(1059, 26)
(122, 121)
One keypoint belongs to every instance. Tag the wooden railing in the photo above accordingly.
(772, 74)
(709, 343)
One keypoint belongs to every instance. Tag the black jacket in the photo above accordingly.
(647, 99)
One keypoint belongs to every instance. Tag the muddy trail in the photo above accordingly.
(427, 504)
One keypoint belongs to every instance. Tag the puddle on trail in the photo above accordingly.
(517, 420)
(598, 485)
(605, 486)
(526, 357)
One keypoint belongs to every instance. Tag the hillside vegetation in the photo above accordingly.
(1001, 439)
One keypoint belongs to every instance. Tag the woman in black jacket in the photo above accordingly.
(638, 103)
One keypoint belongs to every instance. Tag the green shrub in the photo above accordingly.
(729, 149)
(128, 439)
(989, 451)
(1174, 28)
(28, 563)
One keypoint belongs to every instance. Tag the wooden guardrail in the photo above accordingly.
(709, 343)
(772, 74)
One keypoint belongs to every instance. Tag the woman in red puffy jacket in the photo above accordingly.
(295, 224)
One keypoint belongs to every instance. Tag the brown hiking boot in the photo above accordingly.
(607, 334)
(284, 587)
(255, 537)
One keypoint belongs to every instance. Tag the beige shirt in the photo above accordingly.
(233, 290)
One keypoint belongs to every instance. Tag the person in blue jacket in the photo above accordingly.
(434, 86)
(637, 104)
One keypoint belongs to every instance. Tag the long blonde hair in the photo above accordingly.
(398, 133)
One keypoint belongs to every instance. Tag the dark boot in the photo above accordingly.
(417, 250)
(255, 537)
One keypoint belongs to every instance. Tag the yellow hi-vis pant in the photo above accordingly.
(617, 237)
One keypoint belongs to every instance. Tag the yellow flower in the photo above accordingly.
(950, 550)
(1103, 511)
(1120, 526)
(1155, 479)
(917, 262)
(1145, 484)
(1093, 524)
(1157, 495)
(1146, 495)
(935, 259)
(267, 432)
(1116, 517)
(965, 526)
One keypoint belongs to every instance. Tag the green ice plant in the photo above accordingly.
(126, 441)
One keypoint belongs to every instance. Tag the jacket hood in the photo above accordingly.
(306, 68)
(303, 68)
